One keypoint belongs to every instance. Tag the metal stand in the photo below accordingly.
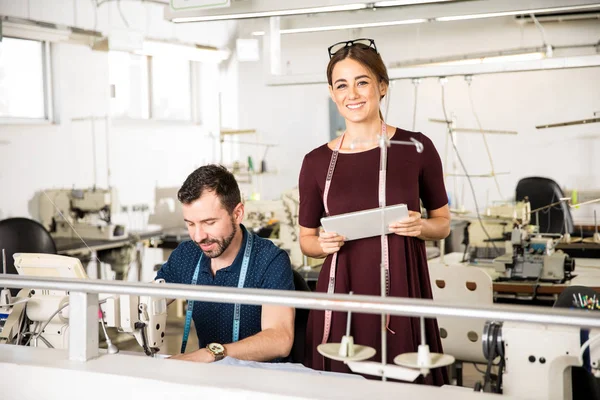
(424, 360)
(346, 350)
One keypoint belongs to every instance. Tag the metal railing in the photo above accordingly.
(84, 305)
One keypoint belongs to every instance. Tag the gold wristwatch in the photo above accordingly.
(217, 350)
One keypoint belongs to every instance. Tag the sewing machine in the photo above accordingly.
(40, 318)
(281, 216)
(538, 359)
(67, 213)
(533, 257)
(497, 221)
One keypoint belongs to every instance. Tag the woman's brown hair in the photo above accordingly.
(363, 54)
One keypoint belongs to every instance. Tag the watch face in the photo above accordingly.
(216, 348)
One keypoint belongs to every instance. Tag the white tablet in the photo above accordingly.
(363, 224)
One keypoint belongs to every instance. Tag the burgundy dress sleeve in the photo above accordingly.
(311, 202)
(431, 178)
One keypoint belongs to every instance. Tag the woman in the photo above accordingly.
(358, 81)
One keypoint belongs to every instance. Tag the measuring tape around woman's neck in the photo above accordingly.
(384, 239)
(237, 307)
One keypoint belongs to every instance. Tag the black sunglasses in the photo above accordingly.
(342, 45)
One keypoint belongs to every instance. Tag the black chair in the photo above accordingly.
(585, 385)
(300, 322)
(23, 235)
(542, 192)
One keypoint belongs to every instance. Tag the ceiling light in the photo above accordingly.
(519, 12)
(495, 59)
(342, 27)
(278, 13)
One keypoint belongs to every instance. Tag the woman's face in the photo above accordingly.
(356, 91)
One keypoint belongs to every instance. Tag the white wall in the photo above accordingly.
(296, 116)
(143, 154)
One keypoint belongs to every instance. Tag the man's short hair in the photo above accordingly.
(212, 178)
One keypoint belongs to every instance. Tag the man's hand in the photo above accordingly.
(410, 226)
(201, 355)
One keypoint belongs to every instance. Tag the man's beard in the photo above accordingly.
(222, 244)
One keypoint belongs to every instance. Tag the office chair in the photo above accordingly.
(585, 385)
(300, 322)
(541, 192)
(23, 235)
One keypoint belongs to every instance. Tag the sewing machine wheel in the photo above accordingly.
(492, 348)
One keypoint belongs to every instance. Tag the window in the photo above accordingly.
(128, 76)
(23, 69)
(171, 88)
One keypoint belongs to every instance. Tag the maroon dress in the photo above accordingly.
(410, 176)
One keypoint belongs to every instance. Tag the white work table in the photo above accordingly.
(37, 373)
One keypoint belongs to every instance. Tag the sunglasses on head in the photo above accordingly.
(370, 43)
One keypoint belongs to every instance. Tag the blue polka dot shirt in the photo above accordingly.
(269, 268)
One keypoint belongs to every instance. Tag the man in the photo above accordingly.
(222, 252)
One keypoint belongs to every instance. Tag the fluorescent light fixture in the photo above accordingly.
(494, 59)
(342, 27)
(182, 51)
(519, 12)
(278, 13)
(397, 3)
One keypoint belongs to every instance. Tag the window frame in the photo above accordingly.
(195, 97)
(192, 91)
(47, 94)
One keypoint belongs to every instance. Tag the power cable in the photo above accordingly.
(469, 79)
(464, 168)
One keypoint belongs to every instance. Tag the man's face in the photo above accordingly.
(210, 225)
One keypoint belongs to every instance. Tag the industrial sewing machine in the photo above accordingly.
(536, 361)
(533, 257)
(40, 318)
(515, 248)
(497, 221)
(87, 212)
(278, 219)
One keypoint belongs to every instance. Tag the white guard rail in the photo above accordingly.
(83, 313)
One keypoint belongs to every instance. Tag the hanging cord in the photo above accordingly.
(121, 14)
(543, 32)
(95, 4)
(469, 79)
(462, 164)
(415, 82)
(388, 99)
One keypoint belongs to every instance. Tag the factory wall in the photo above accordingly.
(144, 154)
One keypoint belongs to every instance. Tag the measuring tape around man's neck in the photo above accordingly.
(384, 240)
(237, 307)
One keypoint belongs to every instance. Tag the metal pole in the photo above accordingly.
(316, 301)
(383, 143)
(423, 339)
(93, 122)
